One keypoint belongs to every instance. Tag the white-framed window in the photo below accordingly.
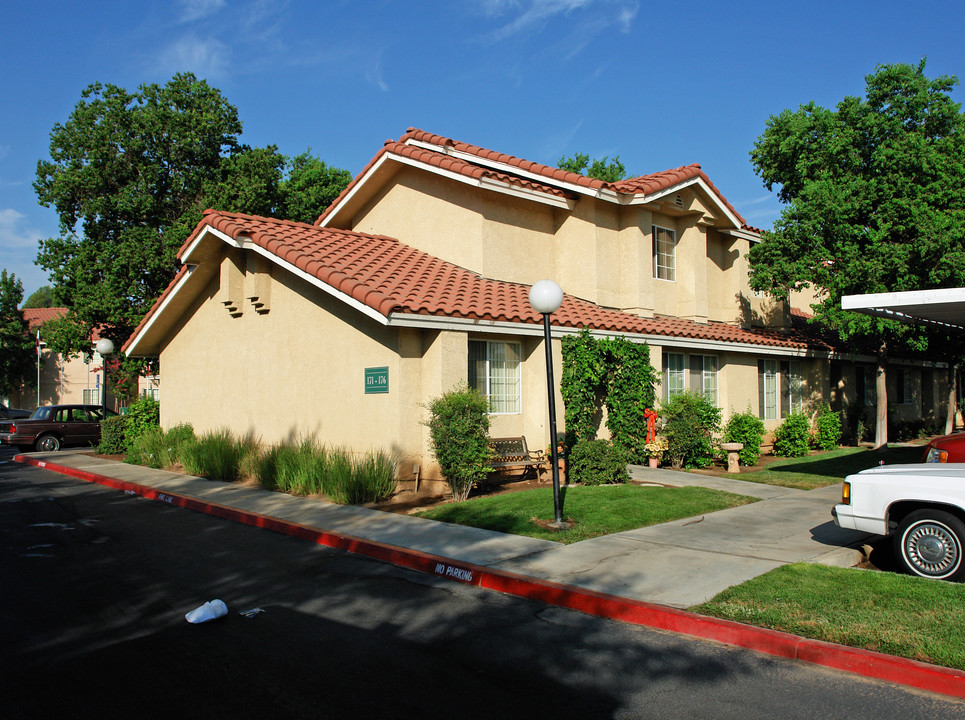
(494, 370)
(92, 396)
(767, 373)
(697, 373)
(664, 253)
(793, 395)
(704, 368)
(152, 392)
(781, 388)
(674, 374)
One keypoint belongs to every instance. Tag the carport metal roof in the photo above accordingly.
(942, 308)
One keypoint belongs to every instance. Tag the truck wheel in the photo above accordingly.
(929, 543)
(48, 443)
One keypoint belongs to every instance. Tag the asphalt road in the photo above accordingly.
(96, 583)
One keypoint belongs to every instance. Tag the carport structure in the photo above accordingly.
(941, 308)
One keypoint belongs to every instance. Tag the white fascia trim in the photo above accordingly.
(487, 183)
(610, 195)
(358, 185)
(161, 308)
(743, 234)
(247, 244)
(699, 182)
(502, 327)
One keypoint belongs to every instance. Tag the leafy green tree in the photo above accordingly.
(874, 195)
(18, 359)
(130, 174)
(42, 297)
(601, 169)
(309, 187)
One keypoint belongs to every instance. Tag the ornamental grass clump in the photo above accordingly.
(371, 480)
(459, 438)
(160, 449)
(217, 455)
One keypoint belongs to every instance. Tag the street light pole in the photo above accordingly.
(546, 297)
(104, 347)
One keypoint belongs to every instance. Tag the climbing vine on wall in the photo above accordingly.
(615, 373)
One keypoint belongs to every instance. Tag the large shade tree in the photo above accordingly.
(130, 174)
(874, 194)
(18, 359)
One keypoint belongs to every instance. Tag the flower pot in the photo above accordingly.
(654, 462)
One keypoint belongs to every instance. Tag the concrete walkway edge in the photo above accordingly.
(902, 671)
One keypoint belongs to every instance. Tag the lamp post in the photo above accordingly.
(104, 347)
(546, 297)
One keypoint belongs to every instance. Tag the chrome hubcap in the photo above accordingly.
(932, 549)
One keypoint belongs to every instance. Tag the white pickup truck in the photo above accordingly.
(921, 506)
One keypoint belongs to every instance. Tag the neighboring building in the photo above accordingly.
(67, 380)
(416, 279)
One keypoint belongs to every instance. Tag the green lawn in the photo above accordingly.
(827, 468)
(894, 614)
(595, 510)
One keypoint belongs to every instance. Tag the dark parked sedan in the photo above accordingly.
(7, 413)
(50, 428)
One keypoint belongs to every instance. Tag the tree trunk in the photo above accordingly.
(952, 396)
(881, 393)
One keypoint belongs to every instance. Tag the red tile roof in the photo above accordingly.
(392, 278)
(638, 186)
(36, 317)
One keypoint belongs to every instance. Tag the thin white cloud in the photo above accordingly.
(532, 15)
(205, 57)
(13, 234)
(192, 10)
(374, 74)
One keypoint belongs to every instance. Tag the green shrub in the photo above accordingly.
(112, 435)
(745, 428)
(597, 462)
(459, 437)
(828, 428)
(143, 413)
(690, 422)
(793, 437)
(216, 455)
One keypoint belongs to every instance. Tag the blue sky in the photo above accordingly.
(659, 84)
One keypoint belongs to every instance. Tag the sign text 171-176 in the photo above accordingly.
(376, 380)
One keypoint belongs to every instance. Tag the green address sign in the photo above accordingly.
(376, 380)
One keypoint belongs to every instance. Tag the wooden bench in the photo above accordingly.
(511, 452)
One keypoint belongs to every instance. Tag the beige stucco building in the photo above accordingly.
(62, 379)
(416, 280)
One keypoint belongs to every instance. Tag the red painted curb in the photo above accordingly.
(901, 671)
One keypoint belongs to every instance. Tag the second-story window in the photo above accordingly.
(664, 254)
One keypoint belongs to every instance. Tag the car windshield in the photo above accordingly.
(42, 413)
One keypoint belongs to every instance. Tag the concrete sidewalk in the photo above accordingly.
(677, 564)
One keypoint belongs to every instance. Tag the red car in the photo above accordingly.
(946, 449)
